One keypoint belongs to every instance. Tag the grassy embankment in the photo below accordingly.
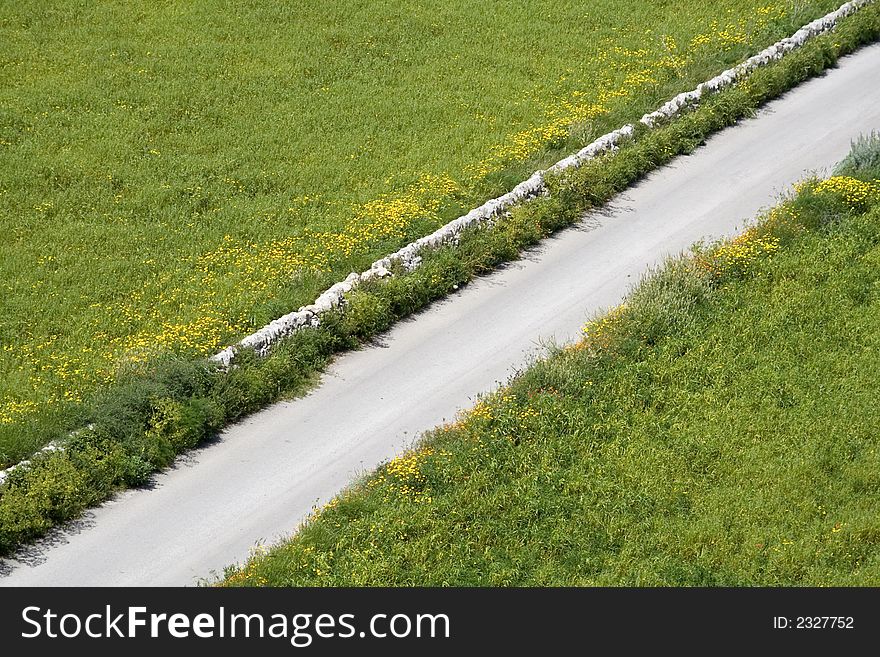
(142, 421)
(719, 428)
(175, 175)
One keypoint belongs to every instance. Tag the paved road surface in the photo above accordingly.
(263, 475)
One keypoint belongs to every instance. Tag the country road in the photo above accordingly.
(259, 479)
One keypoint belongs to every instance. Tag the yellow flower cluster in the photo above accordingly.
(737, 33)
(252, 261)
(598, 332)
(858, 194)
(53, 375)
(782, 218)
(385, 217)
(403, 476)
(522, 145)
(481, 411)
(643, 67)
(735, 256)
(207, 332)
(528, 413)
(15, 410)
(248, 573)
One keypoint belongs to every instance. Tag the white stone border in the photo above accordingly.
(51, 447)
(309, 316)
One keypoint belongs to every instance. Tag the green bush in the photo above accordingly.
(863, 159)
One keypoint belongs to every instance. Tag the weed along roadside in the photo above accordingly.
(719, 428)
(142, 422)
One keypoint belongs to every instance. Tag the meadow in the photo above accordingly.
(720, 427)
(143, 419)
(174, 175)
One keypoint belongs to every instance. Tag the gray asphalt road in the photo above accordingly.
(264, 475)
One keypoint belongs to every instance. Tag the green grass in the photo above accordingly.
(176, 174)
(720, 428)
(148, 415)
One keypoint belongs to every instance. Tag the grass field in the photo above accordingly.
(173, 175)
(142, 421)
(720, 428)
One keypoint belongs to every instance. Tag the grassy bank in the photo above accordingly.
(177, 175)
(719, 428)
(144, 419)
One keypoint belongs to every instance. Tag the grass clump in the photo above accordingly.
(719, 428)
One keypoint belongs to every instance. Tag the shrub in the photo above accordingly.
(863, 159)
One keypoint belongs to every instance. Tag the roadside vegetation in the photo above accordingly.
(140, 420)
(176, 175)
(719, 428)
